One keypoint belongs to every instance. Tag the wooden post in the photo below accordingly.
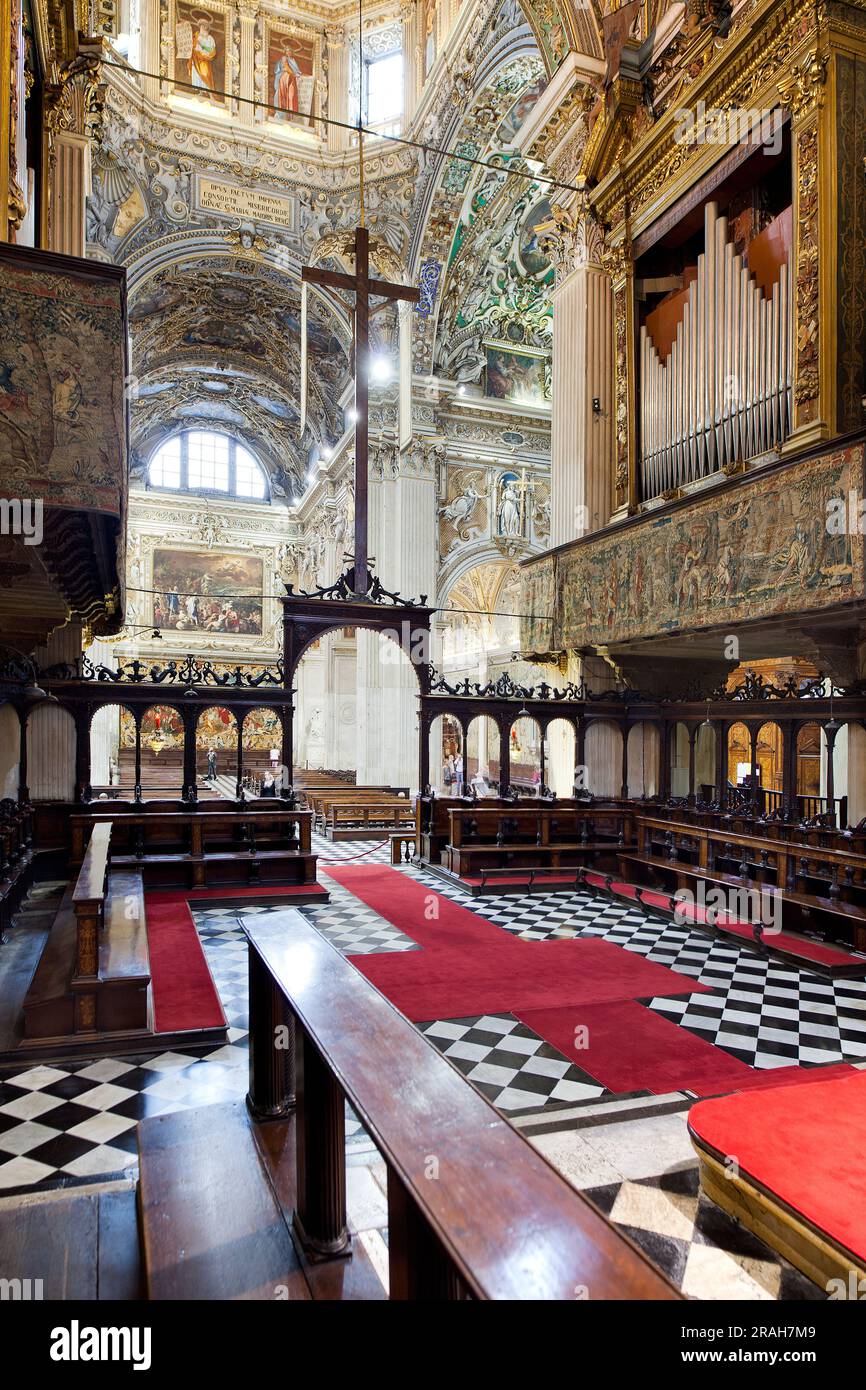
(579, 747)
(83, 789)
(721, 762)
(137, 717)
(419, 1266)
(624, 777)
(287, 751)
(271, 1095)
(320, 1217)
(693, 736)
(239, 727)
(830, 731)
(189, 714)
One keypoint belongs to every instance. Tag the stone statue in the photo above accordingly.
(509, 510)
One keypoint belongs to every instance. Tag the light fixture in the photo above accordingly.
(380, 367)
(351, 415)
(461, 389)
(707, 721)
(325, 452)
(31, 691)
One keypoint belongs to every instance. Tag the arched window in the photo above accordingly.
(203, 461)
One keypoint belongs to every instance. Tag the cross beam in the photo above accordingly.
(364, 289)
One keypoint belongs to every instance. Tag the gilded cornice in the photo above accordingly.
(746, 72)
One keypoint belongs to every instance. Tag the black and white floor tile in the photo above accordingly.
(703, 1251)
(512, 1066)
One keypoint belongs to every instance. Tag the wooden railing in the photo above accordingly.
(473, 1210)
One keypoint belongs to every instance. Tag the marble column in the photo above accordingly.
(581, 433)
(402, 520)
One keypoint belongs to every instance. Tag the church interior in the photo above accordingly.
(433, 651)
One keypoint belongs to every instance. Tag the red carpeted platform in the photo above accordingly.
(803, 1147)
(631, 1048)
(184, 995)
(469, 966)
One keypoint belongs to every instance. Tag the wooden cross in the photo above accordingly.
(364, 289)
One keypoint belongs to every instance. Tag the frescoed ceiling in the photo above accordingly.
(216, 341)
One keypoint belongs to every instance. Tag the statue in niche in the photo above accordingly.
(510, 510)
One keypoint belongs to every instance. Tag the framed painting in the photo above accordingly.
(515, 376)
(200, 39)
(207, 591)
(294, 65)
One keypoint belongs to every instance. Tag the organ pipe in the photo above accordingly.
(724, 393)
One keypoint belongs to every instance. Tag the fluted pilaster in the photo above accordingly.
(581, 436)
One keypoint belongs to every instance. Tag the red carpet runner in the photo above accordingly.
(469, 967)
(184, 994)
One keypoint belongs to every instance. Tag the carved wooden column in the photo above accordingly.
(814, 237)
(272, 1046)
(504, 722)
(693, 734)
(320, 1216)
(753, 744)
(240, 715)
(287, 713)
(137, 716)
(623, 728)
(721, 761)
(83, 789)
(580, 750)
(830, 730)
(624, 490)
(23, 788)
(189, 714)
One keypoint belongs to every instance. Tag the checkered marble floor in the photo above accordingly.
(703, 1251)
(763, 1011)
(509, 1064)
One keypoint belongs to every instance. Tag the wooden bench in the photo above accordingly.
(94, 973)
(827, 883)
(233, 845)
(321, 802)
(497, 1223)
(553, 836)
(368, 821)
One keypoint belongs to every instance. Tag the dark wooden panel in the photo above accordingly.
(211, 1225)
(53, 1239)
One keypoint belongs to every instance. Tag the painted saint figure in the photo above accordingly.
(286, 74)
(203, 56)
